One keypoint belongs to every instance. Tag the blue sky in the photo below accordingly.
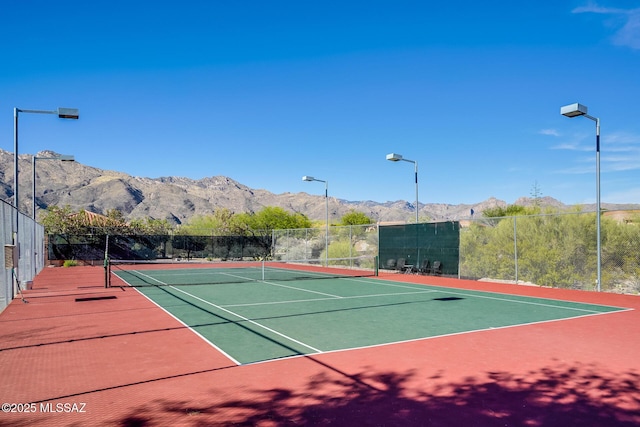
(266, 92)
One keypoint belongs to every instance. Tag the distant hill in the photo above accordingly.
(178, 199)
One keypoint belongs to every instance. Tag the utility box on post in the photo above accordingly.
(10, 256)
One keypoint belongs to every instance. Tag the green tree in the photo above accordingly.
(150, 226)
(261, 224)
(58, 220)
(510, 210)
(354, 217)
(62, 220)
(220, 223)
(270, 218)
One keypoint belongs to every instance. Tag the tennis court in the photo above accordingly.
(295, 312)
(396, 349)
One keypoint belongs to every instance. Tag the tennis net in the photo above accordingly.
(138, 273)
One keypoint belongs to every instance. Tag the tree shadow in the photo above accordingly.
(556, 396)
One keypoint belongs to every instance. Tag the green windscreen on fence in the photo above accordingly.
(420, 245)
(150, 247)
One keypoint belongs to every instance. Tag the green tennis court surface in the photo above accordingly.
(264, 320)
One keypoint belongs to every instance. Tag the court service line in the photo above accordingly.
(248, 320)
(562, 307)
(281, 285)
(247, 279)
(303, 290)
(252, 280)
(253, 304)
(503, 297)
(147, 276)
(392, 284)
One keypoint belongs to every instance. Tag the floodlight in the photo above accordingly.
(394, 157)
(573, 110)
(68, 113)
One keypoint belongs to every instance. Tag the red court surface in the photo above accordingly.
(78, 354)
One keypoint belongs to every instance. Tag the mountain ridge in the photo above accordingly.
(177, 199)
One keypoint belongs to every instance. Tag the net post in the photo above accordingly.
(107, 283)
(106, 263)
(375, 266)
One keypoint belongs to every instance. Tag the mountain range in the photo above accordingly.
(177, 199)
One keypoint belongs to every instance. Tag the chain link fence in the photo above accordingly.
(555, 250)
(30, 243)
(312, 243)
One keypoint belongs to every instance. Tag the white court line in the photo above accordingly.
(327, 294)
(431, 291)
(417, 286)
(439, 289)
(248, 280)
(326, 299)
(252, 280)
(449, 292)
(471, 331)
(301, 289)
(209, 342)
(456, 291)
(145, 275)
(248, 320)
(530, 302)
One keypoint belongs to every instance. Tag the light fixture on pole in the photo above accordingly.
(575, 110)
(396, 158)
(63, 113)
(326, 204)
(60, 157)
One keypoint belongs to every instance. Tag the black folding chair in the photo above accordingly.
(437, 267)
(425, 267)
(391, 264)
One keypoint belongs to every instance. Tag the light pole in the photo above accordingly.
(397, 157)
(63, 113)
(326, 204)
(62, 158)
(575, 110)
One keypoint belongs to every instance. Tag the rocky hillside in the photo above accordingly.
(177, 199)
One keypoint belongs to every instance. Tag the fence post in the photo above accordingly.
(515, 246)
